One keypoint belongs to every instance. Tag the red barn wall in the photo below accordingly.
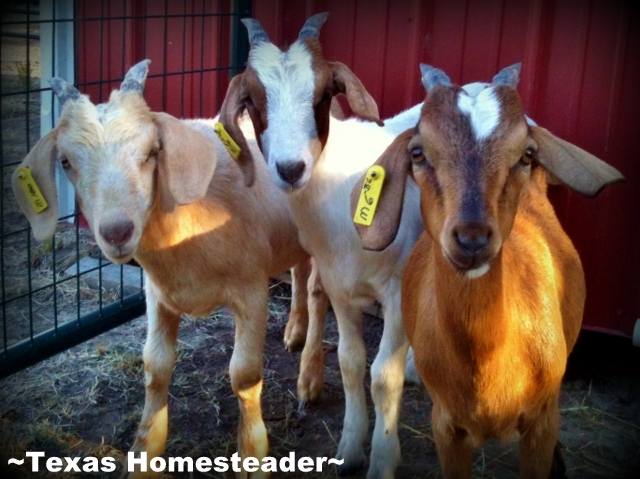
(186, 42)
(581, 65)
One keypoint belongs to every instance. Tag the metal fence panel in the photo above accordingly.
(58, 294)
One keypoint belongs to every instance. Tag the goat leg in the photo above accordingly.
(352, 355)
(455, 451)
(159, 359)
(245, 370)
(310, 379)
(538, 443)
(296, 329)
(387, 379)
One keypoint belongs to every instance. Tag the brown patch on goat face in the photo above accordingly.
(255, 102)
(470, 188)
(323, 91)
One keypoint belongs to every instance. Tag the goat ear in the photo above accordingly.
(41, 162)
(360, 101)
(335, 110)
(186, 160)
(579, 170)
(384, 227)
(232, 107)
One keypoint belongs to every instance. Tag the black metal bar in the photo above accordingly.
(164, 56)
(239, 38)
(220, 41)
(46, 344)
(30, 36)
(184, 57)
(39, 346)
(144, 30)
(28, 137)
(119, 17)
(2, 263)
(201, 60)
(89, 83)
(24, 11)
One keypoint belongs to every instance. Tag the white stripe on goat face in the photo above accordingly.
(289, 81)
(483, 110)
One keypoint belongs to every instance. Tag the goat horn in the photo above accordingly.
(508, 76)
(256, 32)
(311, 28)
(135, 77)
(432, 77)
(64, 90)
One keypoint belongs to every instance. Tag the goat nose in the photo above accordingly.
(290, 171)
(117, 233)
(472, 237)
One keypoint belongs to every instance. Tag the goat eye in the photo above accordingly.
(527, 157)
(416, 154)
(65, 164)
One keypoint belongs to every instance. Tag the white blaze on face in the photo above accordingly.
(483, 109)
(288, 79)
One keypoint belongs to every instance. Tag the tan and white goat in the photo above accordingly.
(317, 160)
(167, 193)
(493, 292)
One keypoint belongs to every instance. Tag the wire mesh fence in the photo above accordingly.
(59, 293)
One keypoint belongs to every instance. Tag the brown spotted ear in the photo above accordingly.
(186, 160)
(360, 101)
(41, 163)
(232, 107)
(384, 227)
(576, 168)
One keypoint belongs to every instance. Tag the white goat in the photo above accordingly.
(318, 160)
(493, 292)
(167, 193)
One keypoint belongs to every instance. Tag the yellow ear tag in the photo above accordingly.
(30, 187)
(232, 147)
(369, 196)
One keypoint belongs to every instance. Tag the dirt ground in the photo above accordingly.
(88, 401)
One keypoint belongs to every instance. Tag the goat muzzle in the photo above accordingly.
(470, 246)
(117, 233)
(291, 171)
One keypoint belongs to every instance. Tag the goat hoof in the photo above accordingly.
(302, 405)
(293, 348)
(309, 386)
(294, 339)
(558, 468)
(350, 468)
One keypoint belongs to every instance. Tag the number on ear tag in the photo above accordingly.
(229, 143)
(30, 187)
(369, 196)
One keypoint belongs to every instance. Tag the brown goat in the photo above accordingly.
(493, 292)
(167, 193)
